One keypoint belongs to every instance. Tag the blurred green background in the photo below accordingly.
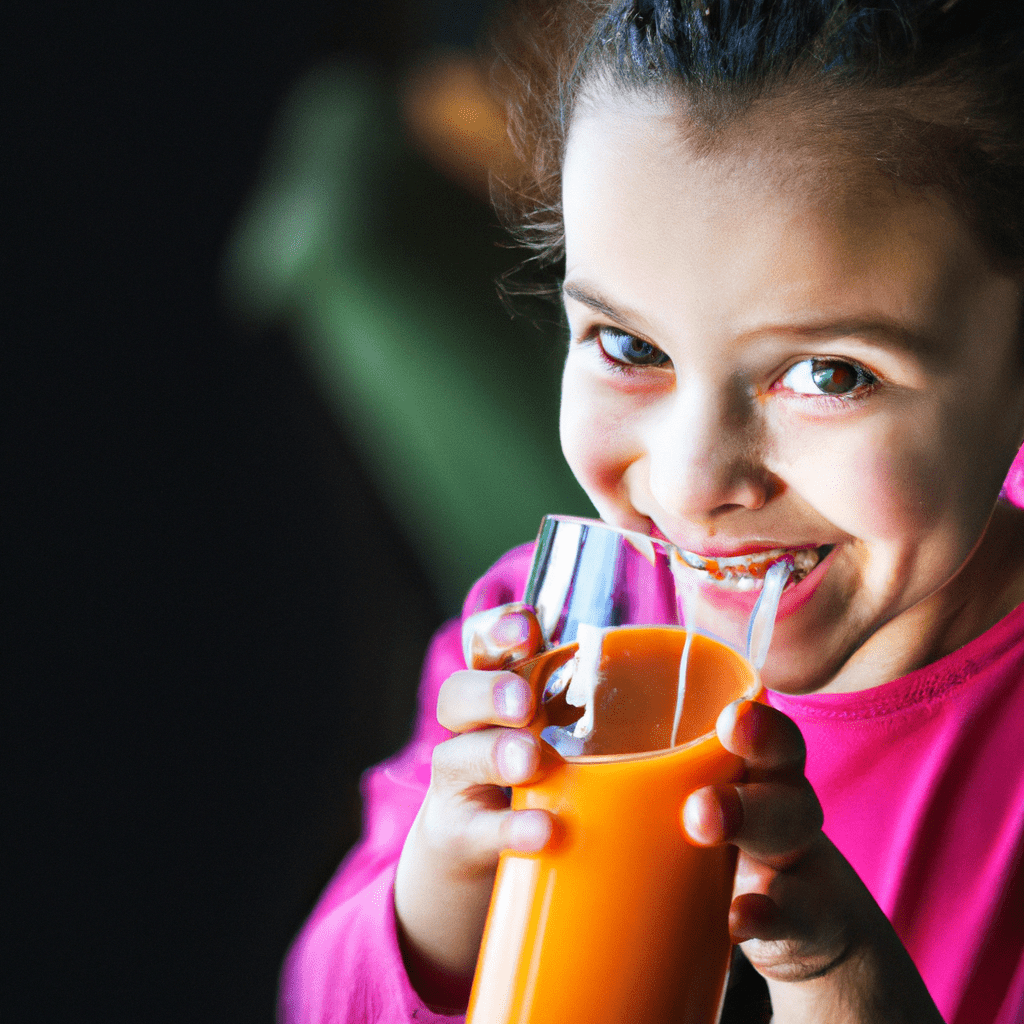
(383, 269)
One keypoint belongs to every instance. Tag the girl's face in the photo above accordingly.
(767, 357)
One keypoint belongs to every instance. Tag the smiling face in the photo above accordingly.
(765, 359)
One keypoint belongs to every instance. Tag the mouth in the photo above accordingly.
(746, 572)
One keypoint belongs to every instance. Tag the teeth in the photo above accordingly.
(746, 572)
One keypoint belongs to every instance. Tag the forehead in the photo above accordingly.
(812, 138)
(775, 149)
(773, 222)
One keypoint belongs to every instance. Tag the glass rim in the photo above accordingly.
(644, 543)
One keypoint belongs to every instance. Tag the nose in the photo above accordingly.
(704, 455)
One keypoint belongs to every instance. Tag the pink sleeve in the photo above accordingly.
(345, 967)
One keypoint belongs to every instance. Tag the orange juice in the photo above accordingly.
(620, 919)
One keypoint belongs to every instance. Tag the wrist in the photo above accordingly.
(441, 989)
(440, 918)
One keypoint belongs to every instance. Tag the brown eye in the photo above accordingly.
(836, 377)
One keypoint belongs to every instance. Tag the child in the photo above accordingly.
(793, 243)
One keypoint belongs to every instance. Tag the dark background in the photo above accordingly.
(202, 590)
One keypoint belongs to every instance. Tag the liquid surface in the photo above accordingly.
(632, 689)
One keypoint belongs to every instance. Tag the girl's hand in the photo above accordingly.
(802, 915)
(446, 871)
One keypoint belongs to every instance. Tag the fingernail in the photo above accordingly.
(511, 696)
(515, 636)
(500, 636)
(693, 820)
(712, 815)
(515, 758)
(528, 831)
(733, 710)
(745, 724)
(729, 717)
(754, 916)
(512, 629)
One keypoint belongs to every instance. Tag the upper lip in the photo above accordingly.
(735, 549)
(739, 550)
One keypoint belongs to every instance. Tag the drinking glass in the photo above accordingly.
(619, 918)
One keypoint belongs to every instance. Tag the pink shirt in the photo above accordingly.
(921, 779)
(922, 783)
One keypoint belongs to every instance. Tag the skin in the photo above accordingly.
(739, 279)
(719, 440)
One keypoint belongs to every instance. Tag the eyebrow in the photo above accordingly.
(878, 329)
(599, 304)
(883, 328)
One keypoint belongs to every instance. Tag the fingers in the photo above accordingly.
(474, 847)
(499, 637)
(478, 843)
(483, 694)
(525, 831)
(798, 907)
(467, 812)
(765, 738)
(470, 700)
(487, 757)
(798, 924)
(713, 815)
(775, 816)
(774, 823)
(756, 916)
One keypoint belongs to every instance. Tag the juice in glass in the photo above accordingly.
(620, 919)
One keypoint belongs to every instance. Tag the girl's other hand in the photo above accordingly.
(802, 915)
(446, 870)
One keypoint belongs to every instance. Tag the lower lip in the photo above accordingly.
(793, 597)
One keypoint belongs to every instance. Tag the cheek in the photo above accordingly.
(877, 484)
(896, 492)
(578, 423)
(594, 440)
(918, 484)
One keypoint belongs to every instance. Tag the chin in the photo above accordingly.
(781, 677)
(803, 666)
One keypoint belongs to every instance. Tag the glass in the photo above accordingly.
(619, 918)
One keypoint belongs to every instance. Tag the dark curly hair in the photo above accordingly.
(930, 93)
